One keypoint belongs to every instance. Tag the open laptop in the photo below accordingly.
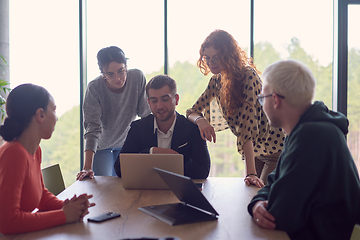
(194, 207)
(137, 169)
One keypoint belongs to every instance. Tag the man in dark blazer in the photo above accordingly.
(166, 131)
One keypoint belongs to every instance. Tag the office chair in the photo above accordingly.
(356, 232)
(53, 179)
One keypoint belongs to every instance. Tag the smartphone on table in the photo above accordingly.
(103, 217)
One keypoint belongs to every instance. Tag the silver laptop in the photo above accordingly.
(137, 169)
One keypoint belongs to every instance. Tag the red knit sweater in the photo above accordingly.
(22, 190)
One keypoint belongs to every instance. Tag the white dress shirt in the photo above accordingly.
(163, 139)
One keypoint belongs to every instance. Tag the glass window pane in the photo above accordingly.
(286, 29)
(138, 31)
(189, 23)
(44, 51)
(137, 27)
(353, 109)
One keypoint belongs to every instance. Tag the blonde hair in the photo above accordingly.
(291, 79)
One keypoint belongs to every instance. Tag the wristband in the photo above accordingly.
(251, 174)
(198, 118)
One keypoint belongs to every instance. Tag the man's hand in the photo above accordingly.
(262, 217)
(157, 150)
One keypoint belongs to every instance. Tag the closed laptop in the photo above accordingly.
(137, 169)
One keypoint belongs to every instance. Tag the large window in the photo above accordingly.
(353, 110)
(44, 51)
(134, 26)
(290, 30)
(189, 23)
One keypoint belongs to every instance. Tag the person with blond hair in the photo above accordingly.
(314, 193)
(229, 101)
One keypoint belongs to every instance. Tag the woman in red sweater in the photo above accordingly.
(31, 117)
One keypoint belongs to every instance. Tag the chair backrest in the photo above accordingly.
(53, 179)
(356, 232)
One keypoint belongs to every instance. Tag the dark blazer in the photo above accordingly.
(186, 140)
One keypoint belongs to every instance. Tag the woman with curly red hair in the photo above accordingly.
(230, 101)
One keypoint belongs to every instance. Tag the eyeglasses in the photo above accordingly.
(261, 98)
(214, 59)
(111, 76)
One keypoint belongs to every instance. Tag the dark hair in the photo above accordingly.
(160, 81)
(110, 54)
(21, 106)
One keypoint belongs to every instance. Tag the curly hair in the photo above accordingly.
(233, 61)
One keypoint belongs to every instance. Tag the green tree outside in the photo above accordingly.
(353, 111)
(64, 146)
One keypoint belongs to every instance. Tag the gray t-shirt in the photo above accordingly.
(108, 115)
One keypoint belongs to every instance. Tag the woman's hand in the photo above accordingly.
(251, 177)
(85, 173)
(254, 180)
(206, 130)
(77, 207)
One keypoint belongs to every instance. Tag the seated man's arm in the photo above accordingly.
(198, 164)
(285, 200)
(258, 207)
(132, 144)
(158, 150)
(262, 216)
(290, 197)
(291, 193)
(262, 194)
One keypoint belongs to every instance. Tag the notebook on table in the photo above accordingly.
(193, 206)
(137, 169)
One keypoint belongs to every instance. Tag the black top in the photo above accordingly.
(314, 193)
